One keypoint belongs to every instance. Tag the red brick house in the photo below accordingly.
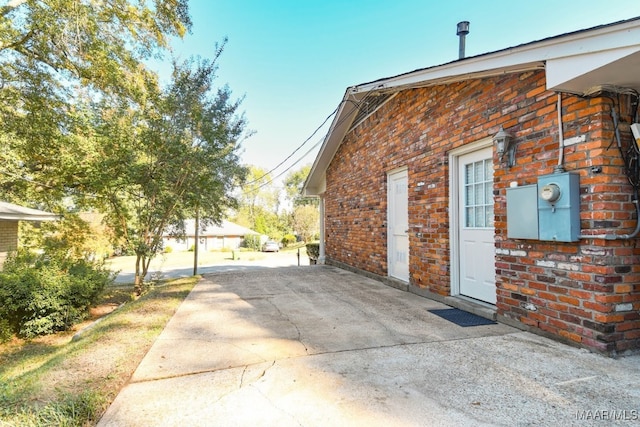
(543, 236)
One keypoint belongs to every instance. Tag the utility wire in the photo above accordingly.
(356, 106)
(254, 190)
(297, 149)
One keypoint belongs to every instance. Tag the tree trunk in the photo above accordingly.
(195, 249)
(141, 272)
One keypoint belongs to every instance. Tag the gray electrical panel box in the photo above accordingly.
(559, 207)
(522, 212)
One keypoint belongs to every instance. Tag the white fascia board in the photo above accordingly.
(315, 183)
(23, 217)
(518, 58)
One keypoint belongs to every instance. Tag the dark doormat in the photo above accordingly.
(462, 318)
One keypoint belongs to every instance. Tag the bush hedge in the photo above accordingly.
(288, 239)
(313, 250)
(39, 296)
(252, 241)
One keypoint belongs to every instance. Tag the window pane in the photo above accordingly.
(488, 193)
(470, 216)
(478, 199)
(489, 216)
(479, 211)
(469, 197)
(488, 171)
(468, 174)
(479, 172)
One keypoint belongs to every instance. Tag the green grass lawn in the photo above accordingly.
(61, 381)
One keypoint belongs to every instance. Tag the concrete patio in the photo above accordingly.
(318, 346)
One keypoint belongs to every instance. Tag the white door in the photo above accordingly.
(476, 226)
(398, 225)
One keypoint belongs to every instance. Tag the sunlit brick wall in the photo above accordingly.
(8, 238)
(586, 292)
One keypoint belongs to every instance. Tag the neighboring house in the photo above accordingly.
(10, 215)
(414, 192)
(226, 235)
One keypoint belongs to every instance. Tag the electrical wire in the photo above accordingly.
(254, 190)
(296, 150)
(356, 106)
(630, 158)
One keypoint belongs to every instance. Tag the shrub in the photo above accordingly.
(168, 249)
(6, 331)
(40, 296)
(252, 241)
(288, 239)
(313, 250)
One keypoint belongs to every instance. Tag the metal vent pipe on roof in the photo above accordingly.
(463, 30)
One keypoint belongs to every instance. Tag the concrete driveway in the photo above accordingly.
(174, 265)
(319, 346)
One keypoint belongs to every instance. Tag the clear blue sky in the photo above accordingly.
(292, 60)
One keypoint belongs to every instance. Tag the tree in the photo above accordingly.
(259, 205)
(98, 43)
(305, 217)
(54, 52)
(306, 221)
(258, 193)
(293, 187)
(154, 166)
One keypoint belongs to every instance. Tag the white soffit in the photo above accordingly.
(578, 74)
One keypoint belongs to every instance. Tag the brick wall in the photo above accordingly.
(587, 292)
(8, 238)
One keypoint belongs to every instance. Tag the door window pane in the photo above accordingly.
(470, 214)
(478, 197)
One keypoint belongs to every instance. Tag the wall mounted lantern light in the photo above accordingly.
(504, 145)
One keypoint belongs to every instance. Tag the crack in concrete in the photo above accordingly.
(367, 314)
(324, 353)
(288, 319)
(276, 407)
(262, 374)
(244, 371)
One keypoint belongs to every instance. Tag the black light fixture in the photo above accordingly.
(503, 143)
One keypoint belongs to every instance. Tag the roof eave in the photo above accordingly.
(13, 212)
(621, 37)
(35, 218)
(315, 182)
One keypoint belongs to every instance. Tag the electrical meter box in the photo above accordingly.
(522, 212)
(559, 207)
